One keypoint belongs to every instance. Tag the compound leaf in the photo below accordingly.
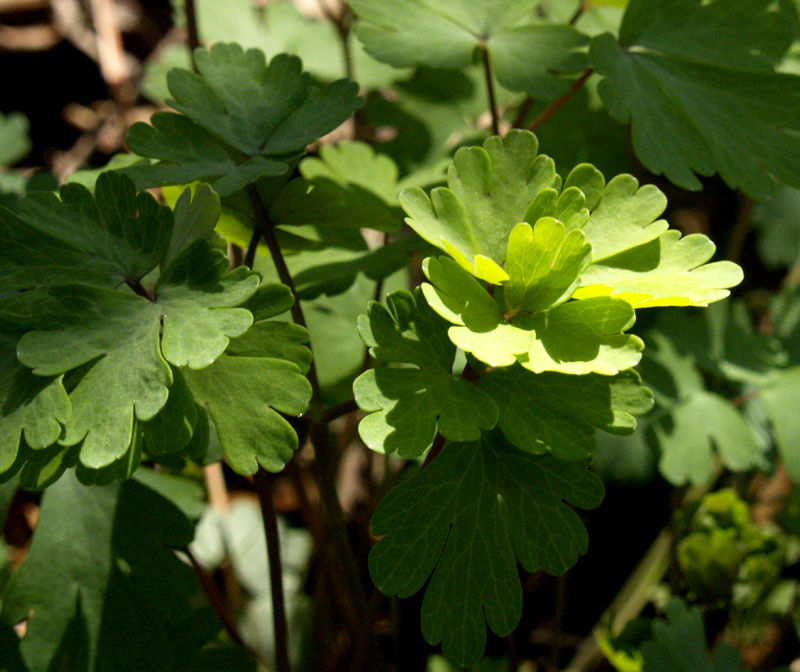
(127, 341)
(464, 521)
(444, 34)
(696, 80)
(489, 191)
(558, 413)
(266, 367)
(669, 271)
(408, 405)
(243, 119)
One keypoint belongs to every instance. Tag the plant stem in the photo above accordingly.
(557, 104)
(336, 522)
(339, 410)
(252, 246)
(214, 596)
(487, 70)
(193, 34)
(578, 12)
(318, 429)
(263, 480)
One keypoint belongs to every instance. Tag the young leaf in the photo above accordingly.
(128, 341)
(489, 191)
(582, 337)
(243, 119)
(669, 271)
(444, 34)
(481, 329)
(558, 413)
(695, 421)
(464, 521)
(266, 366)
(544, 265)
(577, 337)
(122, 598)
(409, 405)
(676, 69)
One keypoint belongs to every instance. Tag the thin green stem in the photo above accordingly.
(557, 104)
(487, 70)
(263, 480)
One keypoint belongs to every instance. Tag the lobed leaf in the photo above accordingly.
(444, 34)
(266, 367)
(407, 406)
(464, 521)
(696, 80)
(124, 599)
(694, 422)
(241, 119)
(558, 413)
(33, 409)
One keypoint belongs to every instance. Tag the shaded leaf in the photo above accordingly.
(445, 34)
(409, 405)
(464, 521)
(697, 82)
(557, 413)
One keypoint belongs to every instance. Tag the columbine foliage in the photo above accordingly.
(127, 337)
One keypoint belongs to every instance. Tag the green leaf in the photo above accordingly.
(122, 595)
(780, 397)
(196, 213)
(544, 265)
(187, 152)
(336, 277)
(697, 82)
(128, 340)
(407, 406)
(679, 645)
(348, 186)
(489, 191)
(624, 217)
(481, 329)
(558, 413)
(445, 34)
(693, 422)
(669, 271)
(118, 236)
(33, 409)
(582, 337)
(464, 521)
(259, 109)
(243, 120)
(577, 337)
(260, 376)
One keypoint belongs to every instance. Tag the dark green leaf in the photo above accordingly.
(557, 413)
(464, 521)
(679, 645)
(696, 81)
